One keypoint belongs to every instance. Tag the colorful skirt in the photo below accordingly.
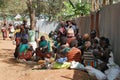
(17, 41)
(26, 55)
(43, 55)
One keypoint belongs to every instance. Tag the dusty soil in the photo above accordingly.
(10, 69)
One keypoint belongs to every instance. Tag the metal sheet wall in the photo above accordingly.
(110, 27)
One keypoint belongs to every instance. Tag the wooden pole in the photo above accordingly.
(92, 21)
(104, 2)
(97, 23)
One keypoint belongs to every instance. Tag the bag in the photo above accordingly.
(77, 65)
(113, 72)
(14, 42)
(94, 72)
(12, 30)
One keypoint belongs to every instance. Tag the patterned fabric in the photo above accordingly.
(4, 32)
(41, 55)
(89, 59)
(26, 55)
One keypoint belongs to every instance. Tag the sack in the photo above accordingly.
(11, 35)
(14, 42)
(34, 44)
(12, 30)
(112, 72)
(94, 72)
(77, 65)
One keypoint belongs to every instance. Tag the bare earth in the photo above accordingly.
(10, 69)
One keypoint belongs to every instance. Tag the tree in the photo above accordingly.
(31, 9)
(75, 9)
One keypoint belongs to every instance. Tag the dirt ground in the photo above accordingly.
(10, 69)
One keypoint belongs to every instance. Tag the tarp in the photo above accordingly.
(18, 16)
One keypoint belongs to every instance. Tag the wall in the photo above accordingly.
(109, 26)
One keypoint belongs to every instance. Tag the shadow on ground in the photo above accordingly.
(7, 56)
(82, 75)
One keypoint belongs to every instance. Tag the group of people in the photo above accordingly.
(87, 49)
(68, 45)
(7, 31)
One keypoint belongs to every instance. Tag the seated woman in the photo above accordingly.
(25, 51)
(74, 54)
(70, 34)
(56, 45)
(61, 51)
(43, 51)
(103, 54)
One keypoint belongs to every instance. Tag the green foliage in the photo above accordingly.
(13, 7)
(75, 10)
(82, 9)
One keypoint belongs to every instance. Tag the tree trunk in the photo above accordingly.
(31, 10)
(93, 5)
(110, 2)
(104, 2)
(97, 4)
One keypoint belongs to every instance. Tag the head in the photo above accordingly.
(86, 36)
(73, 43)
(24, 21)
(62, 23)
(104, 42)
(63, 40)
(24, 41)
(68, 22)
(18, 27)
(58, 39)
(95, 43)
(79, 37)
(4, 24)
(93, 34)
(87, 44)
(42, 38)
(10, 24)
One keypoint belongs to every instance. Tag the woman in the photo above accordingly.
(4, 32)
(25, 51)
(11, 31)
(43, 51)
(74, 54)
(17, 35)
(103, 54)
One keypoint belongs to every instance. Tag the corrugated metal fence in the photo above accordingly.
(109, 26)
